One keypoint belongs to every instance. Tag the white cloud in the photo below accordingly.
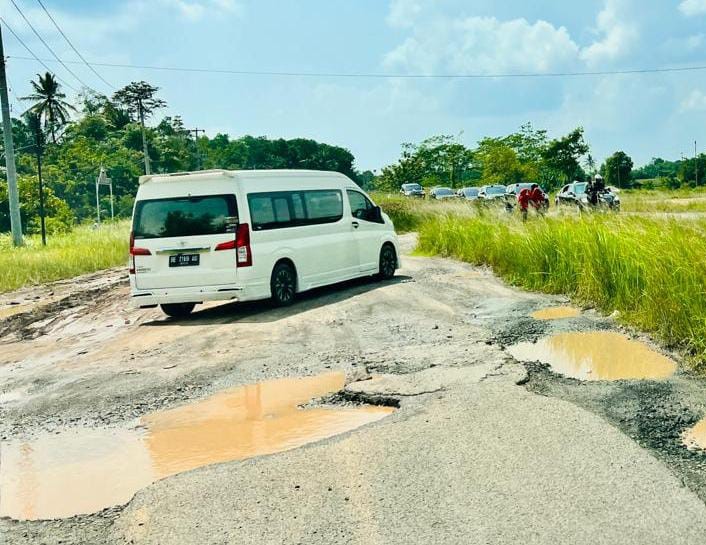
(695, 101)
(484, 45)
(693, 7)
(619, 33)
(403, 13)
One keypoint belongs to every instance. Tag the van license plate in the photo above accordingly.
(184, 260)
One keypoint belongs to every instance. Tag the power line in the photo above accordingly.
(49, 48)
(34, 57)
(388, 75)
(72, 46)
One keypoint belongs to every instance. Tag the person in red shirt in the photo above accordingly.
(536, 197)
(523, 200)
(533, 196)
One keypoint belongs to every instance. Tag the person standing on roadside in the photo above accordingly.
(537, 197)
(523, 200)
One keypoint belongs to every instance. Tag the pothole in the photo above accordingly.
(82, 471)
(596, 356)
(556, 313)
(695, 438)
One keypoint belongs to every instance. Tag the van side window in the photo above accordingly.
(281, 209)
(362, 208)
(298, 212)
(359, 205)
(324, 206)
(281, 206)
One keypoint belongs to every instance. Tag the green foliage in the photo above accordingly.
(653, 271)
(524, 156)
(617, 170)
(82, 251)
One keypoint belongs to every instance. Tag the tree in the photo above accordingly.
(49, 103)
(617, 170)
(500, 163)
(140, 101)
(563, 157)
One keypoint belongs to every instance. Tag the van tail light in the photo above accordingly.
(241, 245)
(243, 252)
(135, 251)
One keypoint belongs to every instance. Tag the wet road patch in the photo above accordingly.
(695, 438)
(596, 356)
(85, 470)
(556, 313)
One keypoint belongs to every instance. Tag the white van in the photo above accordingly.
(247, 235)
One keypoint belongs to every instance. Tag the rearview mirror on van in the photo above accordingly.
(375, 214)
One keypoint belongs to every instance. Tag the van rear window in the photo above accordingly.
(185, 216)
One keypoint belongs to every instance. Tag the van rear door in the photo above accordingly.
(180, 242)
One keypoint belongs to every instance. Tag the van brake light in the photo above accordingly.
(135, 251)
(243, 252)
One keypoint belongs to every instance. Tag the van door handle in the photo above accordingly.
(355, 224)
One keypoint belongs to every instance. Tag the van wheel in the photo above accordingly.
(178, 310)
(388, 262)
(283, 284)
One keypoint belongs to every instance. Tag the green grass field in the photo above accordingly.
(651, 270)
(82, 251)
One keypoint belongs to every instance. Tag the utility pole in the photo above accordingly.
(13, 193)
(696, 164)
(38, 142)
(196, 132)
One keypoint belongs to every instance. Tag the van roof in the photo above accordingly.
(166, 177)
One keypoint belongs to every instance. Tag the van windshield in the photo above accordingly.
(185, 216)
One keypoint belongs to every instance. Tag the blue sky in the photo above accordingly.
(645, 115)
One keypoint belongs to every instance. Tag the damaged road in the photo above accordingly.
(481, 448)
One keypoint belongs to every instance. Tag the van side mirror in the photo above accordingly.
(375, 214)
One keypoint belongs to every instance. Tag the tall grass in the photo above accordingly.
(653, 271)
(82, 251)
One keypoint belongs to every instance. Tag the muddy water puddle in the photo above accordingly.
(695, 438)
(596, 356)
(86, 470)
(556, 313)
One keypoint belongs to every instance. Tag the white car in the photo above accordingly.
(249, 235)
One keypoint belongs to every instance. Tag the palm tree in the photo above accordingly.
(49, 103)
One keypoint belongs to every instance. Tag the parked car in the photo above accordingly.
(574, 194)
(513, 190)
(412, 190)
(248, 235)
(440, 193)
(468, 193)
(492, 194)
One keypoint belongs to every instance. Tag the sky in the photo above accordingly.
(645, 115)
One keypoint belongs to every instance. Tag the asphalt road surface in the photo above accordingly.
(482, 449)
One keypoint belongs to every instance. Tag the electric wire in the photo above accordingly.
(73, 47)
(34, 57)
(48, 47)
(369, 75)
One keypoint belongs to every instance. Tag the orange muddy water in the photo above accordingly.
(695, 438)
(556, 313)
(596, 356)
(86, 470)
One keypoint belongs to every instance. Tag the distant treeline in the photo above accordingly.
(107, 133)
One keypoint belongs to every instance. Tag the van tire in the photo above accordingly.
(283, 284)
(178, 310)
(388, 262)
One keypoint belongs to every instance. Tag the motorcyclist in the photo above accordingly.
(592, 191)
